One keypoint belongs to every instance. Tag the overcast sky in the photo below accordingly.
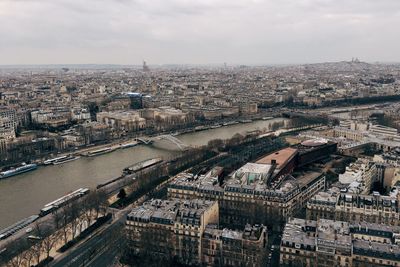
(198, 31)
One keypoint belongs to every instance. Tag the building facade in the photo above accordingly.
(171, 228)
(338, 243)
(225, 247)
(354, 208)
(187, 230)
(244, 200)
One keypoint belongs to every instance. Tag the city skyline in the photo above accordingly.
(197, 32)
(254, 133)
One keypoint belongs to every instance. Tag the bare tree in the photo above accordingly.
(13, 256)
(37, 251)
(64, 226)
(37, 248)
(72, 214)
(58, 218)
(80, 216)
(86, 214)
(89, 204)
(49, 242)
(28, 256)
(16, 260)
(215, 144)
(102, 201)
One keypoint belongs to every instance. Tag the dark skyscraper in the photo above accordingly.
(136, 100)
(145, 67)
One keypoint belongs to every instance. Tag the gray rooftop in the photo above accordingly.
(171, 211)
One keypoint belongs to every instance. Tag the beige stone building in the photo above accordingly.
(247, 198)
(338, 243)
(225, 247)
(355, 208)
(188, 230)
(125, 121)
(171, 228)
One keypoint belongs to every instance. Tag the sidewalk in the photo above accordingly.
(58, 255)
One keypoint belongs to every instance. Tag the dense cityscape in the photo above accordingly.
(199, 133)
(249, 166)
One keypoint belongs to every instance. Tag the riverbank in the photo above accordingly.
(124, 143)
(53, 181)
(114, 144)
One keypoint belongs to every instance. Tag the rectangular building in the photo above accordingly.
(225, 247)
(338, 243)
(354, 208)
(246, 197)
(171, 228)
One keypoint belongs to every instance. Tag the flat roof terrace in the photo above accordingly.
(281, 157)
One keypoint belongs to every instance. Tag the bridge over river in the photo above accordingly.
(169, 142)
(25, 194)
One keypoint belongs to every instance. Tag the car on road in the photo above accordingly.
(34, 237)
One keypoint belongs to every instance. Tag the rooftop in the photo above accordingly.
(296, 232)
(314, 142)
(250, 232)
(252, 172)
(375, 249)
(281, 157)
(171, 211)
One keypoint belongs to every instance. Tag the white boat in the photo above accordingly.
(99, 151)
(23, 168)
(60, 160)
(267, 118)
(51, 161)
(128, 145)
(201, 128)
(68, 159)
(230, 123)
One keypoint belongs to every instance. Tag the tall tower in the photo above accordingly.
(145, 67)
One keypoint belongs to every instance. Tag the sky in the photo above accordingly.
(198, 31)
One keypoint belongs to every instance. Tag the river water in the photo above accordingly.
(25, 194)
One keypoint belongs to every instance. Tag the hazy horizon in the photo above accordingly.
(184, 64)
(197, 32)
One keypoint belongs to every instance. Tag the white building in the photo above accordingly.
(387, 132)
(359, 176)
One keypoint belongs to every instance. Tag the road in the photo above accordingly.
(102, 248)
(273, 250)
(20, 236)
(105, 258)
(98, 249)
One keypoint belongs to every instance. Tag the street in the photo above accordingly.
(99, 249)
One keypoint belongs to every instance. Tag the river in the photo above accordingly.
(25, 194)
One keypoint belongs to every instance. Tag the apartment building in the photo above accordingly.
(188, 230)
(8, 118)
(171, 228)
(355, 208)
(339, 243)
(247, 198)
(226, 247)
(388, 132)
(359, 176)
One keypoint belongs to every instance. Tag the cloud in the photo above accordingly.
(197, 31)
